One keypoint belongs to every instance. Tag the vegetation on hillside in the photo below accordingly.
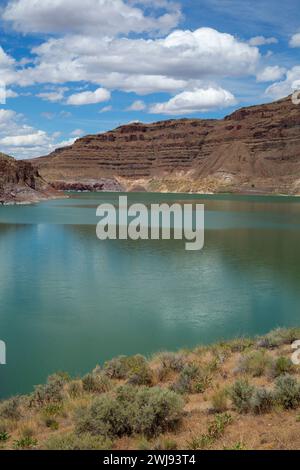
(231, 395)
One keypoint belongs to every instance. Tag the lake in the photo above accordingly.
(69, 301)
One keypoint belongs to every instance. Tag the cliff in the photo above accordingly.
(255, 149)
(20, 182)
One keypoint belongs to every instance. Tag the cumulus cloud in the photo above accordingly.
(144, 66)
(92, 17)
(271, 74)
(53, 96)
(7, 67)
(89, 97)
(23, 141)
(262, 41)
(295, 40)
(287, 86)
(199, 100)
(138, 105)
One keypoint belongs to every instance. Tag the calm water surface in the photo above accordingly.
(69, 301)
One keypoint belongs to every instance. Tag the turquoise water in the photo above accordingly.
(69, 301)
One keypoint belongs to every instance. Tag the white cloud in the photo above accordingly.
(23, 141)
(77, 133)
(262, 41)
(287, 86)
(105, 109)
(92, 17)
(53, 96)
(11, 94)
(271, 74)
(89, 97)
(137, 106)
(7, 67)
(295, 40)
(199, 100)
(180, 60)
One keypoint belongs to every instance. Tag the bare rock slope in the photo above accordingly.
(20, 182)
(255, 149)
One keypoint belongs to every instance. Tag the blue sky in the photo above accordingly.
(74, 67)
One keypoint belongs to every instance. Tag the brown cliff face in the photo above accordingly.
(255, 149)
(20, 182)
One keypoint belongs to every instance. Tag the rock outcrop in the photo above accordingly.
(20, 182)
(255, 149)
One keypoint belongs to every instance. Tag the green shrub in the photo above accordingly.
(148, 411)
(106, 416)
(281, 366)
(4, 436)
(133, 368)
(10, 409)
(156, 410)
(170, 362)
(220, 401)
(25, 443)
(165, 444)
(186, 380)
(75, 388)
(96, 383)
(216, 429)
(279, 337)
(254, 363)
(262, 401)
(240, 344)
(287, 392)
(73, 442)
(241, 394)
(52, 391)
(50, 423)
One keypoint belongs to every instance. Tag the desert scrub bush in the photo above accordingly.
(219, 400)
(165, 444)
(26, 440)
(262, 401)
(157, 410)
(51, 392)
(216, 429)
(254, 363)
(106, 416)
(279, 337)
(170, 362)
(10, 409)
(4, 435)
(133, 368)
(186, 380)
(241, 394)
(287, 392)
(25, 443)
(240, 344)
(73, 442)
(96, 383)
(75, 388)
(147, 411)
(281, 366)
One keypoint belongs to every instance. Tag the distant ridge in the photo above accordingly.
(255, 149)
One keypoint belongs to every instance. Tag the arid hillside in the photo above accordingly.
(20, 182)
(231, 395)
(256, 149)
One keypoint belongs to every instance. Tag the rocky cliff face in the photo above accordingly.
(256, 149)
(20, 182)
